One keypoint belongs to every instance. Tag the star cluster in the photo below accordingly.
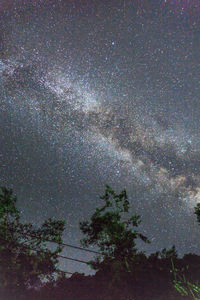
(102, 93)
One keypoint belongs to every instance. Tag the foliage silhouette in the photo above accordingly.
(181, 284)
(24, 256)
(122, 274)
(197, 212)
(114, 237)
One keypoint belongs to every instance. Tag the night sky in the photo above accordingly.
(96, 92)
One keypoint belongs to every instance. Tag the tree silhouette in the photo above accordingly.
(24, 256)
(171, 253)
(114, 237)
(197, 212)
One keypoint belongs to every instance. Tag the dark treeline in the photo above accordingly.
(122, 272)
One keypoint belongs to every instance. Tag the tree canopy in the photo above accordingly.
(123, 271)
(197, 212)
(114, 237)
(24, 255)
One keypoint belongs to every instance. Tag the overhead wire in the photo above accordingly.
(67, 245)
(62, 256)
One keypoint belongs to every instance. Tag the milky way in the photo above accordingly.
(102, 93)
